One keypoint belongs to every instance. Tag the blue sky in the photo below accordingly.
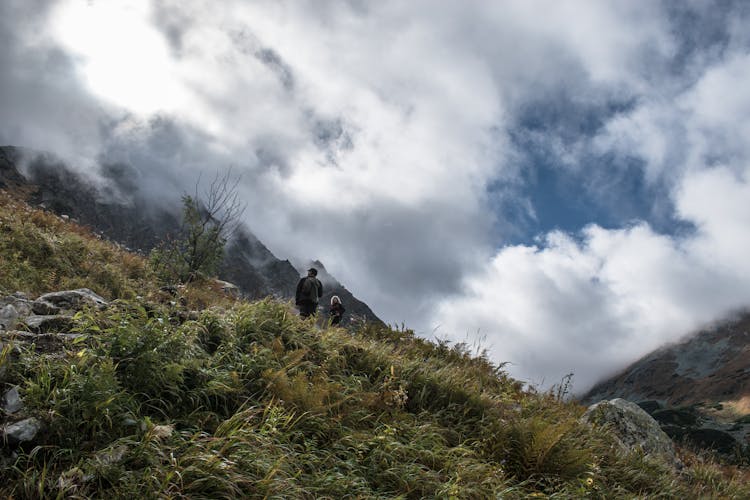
(564, 183)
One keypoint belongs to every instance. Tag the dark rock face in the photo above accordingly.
(252, 267)
(119, 212)
(9, 175)
(47, 324)
(697, 390)
(711, 366)
(684, 417)
(356, 310)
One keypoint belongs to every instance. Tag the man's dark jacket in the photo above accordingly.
(310, 293)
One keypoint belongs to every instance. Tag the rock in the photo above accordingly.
(12, 401)
(227, 288)
(21, 432)
(712, 439)
(44, 308)
(49, 323)
(684, 417)
(44, 342)
(170, 289)
(650, 406)
(73, 299)
(8, 316)
(20, 304)
(632, 427)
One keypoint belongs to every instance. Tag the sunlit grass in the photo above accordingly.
(200, 396)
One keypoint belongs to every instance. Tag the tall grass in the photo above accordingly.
(40, 252)
(246, 400)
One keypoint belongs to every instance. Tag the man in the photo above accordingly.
(309, 290)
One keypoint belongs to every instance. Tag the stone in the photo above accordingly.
(632, 427)
(12, 401)
(49, 323)
(44, 342)
(650, 406)
(712, 439)
(73, 299)
(8, 316)
(227, 288)
(44, 308)
(683, 417)
(21, 304)
(21, 432)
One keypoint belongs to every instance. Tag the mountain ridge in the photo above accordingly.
(119, 212)
(711, 365)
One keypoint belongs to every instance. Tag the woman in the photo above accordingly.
(336, 311)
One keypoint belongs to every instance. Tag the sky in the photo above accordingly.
(562, 183)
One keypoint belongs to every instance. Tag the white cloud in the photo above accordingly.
(592, 306)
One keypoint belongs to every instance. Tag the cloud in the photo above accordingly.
(401, 143)
(593, 304)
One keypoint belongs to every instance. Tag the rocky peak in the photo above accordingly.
(120, 214)
(712, 365)
(356, 310)
(696, 389)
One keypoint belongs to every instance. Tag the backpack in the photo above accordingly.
(310, 290)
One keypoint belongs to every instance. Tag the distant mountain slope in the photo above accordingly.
(711, 366)
(120, 213)
(355, 309)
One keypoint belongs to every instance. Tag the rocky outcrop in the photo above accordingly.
(696, 389)
(47, 333)
(632, 427)
(711, 366)
(704, 428)
(68, 300)
(50, 312)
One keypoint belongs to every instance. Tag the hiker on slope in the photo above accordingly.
(309, 290)
(336, 312)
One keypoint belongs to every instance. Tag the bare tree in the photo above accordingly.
(207, 222)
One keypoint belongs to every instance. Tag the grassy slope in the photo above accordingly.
(247, 400)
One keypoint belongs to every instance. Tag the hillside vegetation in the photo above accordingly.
(203, 396)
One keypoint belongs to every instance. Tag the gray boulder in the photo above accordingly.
(632, 427)
(12, 401)
(44, 308)
(73, 299)
(21, 432)
(20, 303)
(8, 317)
(46, 324)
